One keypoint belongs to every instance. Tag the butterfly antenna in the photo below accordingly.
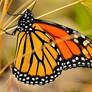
(13, 14)
(34, 5)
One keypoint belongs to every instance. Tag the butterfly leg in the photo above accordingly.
(13, 33)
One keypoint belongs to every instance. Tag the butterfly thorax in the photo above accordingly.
(25, 22)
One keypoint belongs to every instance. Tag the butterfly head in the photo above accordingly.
(26, 21)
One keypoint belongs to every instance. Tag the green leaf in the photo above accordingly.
(90, 36)
(83, 17)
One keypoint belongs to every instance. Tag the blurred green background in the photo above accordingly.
(77, 17)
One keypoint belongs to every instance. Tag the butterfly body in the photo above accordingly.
(51, 48)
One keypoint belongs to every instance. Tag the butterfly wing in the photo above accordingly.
(42, 62)
(75, 48)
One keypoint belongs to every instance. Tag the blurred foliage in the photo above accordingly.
(90, 36)
(83, 17)
(88, 4)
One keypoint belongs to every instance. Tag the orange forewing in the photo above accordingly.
(67, 47)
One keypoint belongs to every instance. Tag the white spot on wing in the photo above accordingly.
(21, 75)
(43, 79)
(67, 31)
(58, 51)
(15, 69)
(73, 60)
(33, 79)
(77, 58)
(82, 58)
(68, 62)
(83, 36)
(27, 82)
(25, 75)
(23, 79)
(28, 78)
(47, 36)
(53, 44)
(60, 58)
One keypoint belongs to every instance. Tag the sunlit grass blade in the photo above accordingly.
(19, 15)
(18, 10)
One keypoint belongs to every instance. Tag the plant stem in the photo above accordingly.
(66, 6)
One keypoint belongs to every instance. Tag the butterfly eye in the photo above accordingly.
(20, 28)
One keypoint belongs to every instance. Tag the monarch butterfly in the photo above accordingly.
(45, 64)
